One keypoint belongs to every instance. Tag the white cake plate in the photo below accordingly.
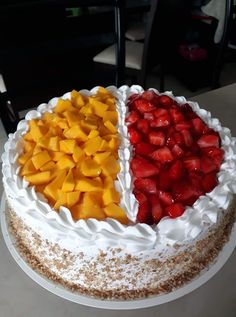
(114, 304)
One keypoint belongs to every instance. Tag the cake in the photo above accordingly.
(120, 193)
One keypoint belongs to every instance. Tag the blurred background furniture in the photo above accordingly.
(164, 28)
(47, 46)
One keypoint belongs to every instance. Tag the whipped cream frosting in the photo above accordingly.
(60, 227)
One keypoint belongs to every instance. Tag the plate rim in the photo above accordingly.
(64, 293)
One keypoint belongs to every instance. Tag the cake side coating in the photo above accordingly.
(116, 274)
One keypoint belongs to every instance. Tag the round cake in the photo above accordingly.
(120, 193)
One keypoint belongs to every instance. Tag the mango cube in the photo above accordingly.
(114, 211)
(75, 132)
(110, 166)
(67, 146)
(40, 159)
(39, 178)
(72, 198)
(99, 108)
(92, 145)
(90, 168)
(51, 189)
(110, 126)
(63, 105)
(78, 154)
(28, 168)
(65, 162)
(69, 183)
(86, 184)
(111, 195)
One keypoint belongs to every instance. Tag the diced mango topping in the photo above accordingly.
(70, 155)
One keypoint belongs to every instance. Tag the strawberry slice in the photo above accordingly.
(149, 116)
(162, 155)
(175, 210)
(165, 101)
(199, 127)
(144, 213)
(216, 154)
(157, 138)
(151, 96)
(143, 126)
(183, 192)
(207, 165)
(134, 136)
(144, 149)
(188, 140)
(160, 112)
(184, 125)
(141, 168)
(176, 170)
(132, 117)
(177, 151)
(176, 115)
(155, 208)
(209, 182)
(164, 181)
(141, 198)
(187, 111)
(145, 185)
(143, 105)
(207, 140)
(165, 198)
(161, 121)
(192, 164)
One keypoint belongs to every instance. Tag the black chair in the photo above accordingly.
(163, 28)
(230, 9)
(44, 53)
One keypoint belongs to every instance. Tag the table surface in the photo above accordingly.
(21, 296)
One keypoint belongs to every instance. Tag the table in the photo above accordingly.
(20, 296)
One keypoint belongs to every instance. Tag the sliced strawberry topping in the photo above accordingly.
(208, 140)
(176, 170)
(142, 168)
(165, 101)
(157, 138)
(143, 105)
(175, 210)
(132, 117)
(144, 149)
(146, 185)
(156, 208)
(134, 136)
(176, 155)
(165, 198)
(162, 155)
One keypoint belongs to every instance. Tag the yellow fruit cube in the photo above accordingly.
(28, 168)
(63, 105)
(56, 156)
(108, 182)
(63, 124)
(65, 162)
(39, 178)
(114, 144)
(40, 159)
(99, 108)
(114, 211)
(23, 158)
(75, 132)
(110, 166)
(111, 195)
(53, 143)
(62, 199)
(110, 126)
(51, 190)
(78, 154)
(86, 184)
(69, 183)
(100, 157)
(48, 166)
(28, 146)
(93, 134)
(82, 211)
(77, 99)
(72, 198)
(67, 146)
(111, 116)
(73, 117)
(28, 137)
(90, 168)
(104, 146)
(92, 145)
